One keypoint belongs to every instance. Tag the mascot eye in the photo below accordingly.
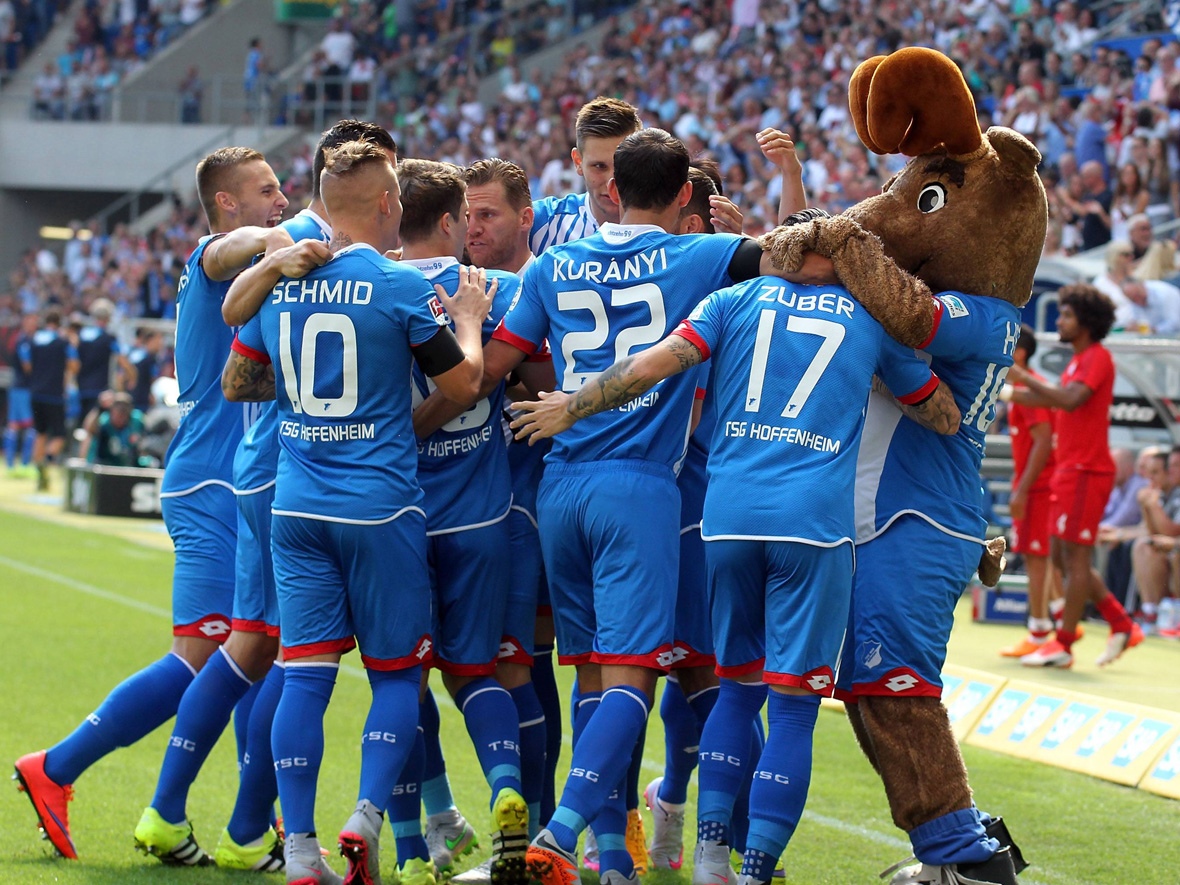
(932, 198)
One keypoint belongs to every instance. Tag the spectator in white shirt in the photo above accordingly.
(1151, 307)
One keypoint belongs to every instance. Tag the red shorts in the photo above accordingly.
(1031, 534)
(1078, 501)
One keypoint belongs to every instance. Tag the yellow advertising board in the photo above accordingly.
(967, 694)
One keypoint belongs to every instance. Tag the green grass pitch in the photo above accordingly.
(81, 610)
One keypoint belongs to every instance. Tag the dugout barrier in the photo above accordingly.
(1129, 744)
(112, 491)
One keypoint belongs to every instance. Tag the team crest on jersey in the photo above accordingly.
(870, 654)
(438, 311)
(954, 306)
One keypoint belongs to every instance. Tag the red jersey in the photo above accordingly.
(1020, 419)
(1080, 438)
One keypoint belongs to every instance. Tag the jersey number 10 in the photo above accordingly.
(301, 390)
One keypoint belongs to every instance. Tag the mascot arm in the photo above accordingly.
(901, 303)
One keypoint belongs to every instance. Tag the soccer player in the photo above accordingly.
(243, 203)
(96, 346)
(1031, 431)
(789, 416)
(623, 288)
(348, 531)
(18, 432)
(467, 490)
(48, 359)
(502, 213)
(145, 358)
(600, 126)
(1084, 472)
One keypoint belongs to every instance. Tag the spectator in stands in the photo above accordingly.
(115, 428)
(1149, 307)
(1090, 143)
(1130, 199)
(1151, 259)
(1152, 556)
(192, 91)
(1123, 516)
(145, 359)
(1096, 221)
(1119, 257)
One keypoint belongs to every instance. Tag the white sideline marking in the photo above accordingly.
(444, 700)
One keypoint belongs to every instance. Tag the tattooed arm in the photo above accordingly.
(247, 381)
(624, 381)
(937, 412)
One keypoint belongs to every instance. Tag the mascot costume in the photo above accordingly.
(944, 258)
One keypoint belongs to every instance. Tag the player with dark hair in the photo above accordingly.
(623, 288)
(49, 360)
(601, 125)
(779, 586)
(1031, 432)
(348, 514)
(243, 204)
(1084, 472)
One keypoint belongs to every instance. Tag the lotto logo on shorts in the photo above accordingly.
(674, 656)
(902, 682)
(214, 628)
(424, 647)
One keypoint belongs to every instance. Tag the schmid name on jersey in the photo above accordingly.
(322, 292)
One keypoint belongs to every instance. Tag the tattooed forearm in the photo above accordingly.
(245, 380)
(686, 353)
(939, 413)
(617, 385)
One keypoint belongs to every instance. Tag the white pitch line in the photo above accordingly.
(444, 700)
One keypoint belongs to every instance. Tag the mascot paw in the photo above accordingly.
(991, 564)
(786, 244)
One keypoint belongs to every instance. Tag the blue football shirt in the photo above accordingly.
(602, 298)
(257, 457)
(463, 466)
(792, 368)
(560, 220)
(341, 339)
(904, 468)
(202, 452)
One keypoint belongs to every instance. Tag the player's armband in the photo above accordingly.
(746, 263)
(439, 354)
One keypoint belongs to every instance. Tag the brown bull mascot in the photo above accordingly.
(944, 258)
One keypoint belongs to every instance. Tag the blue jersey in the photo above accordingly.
(341, 341)
(602, 298)
(257, 457)
(95, 349)
(904, 468)
(202, 451)
(792, 370)
(463, 466)
(20, 378)
(560, 220)
(48, 351)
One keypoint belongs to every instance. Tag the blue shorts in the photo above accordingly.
(204, 529)
(526, 464)
(693, 643)
(20, 406)
(902, 615)
(256, 605)
(780, 607)
(470, 575)
(610, 541)
(527, 577)
(337, 581)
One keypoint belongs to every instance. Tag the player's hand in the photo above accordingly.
(301, 259)
(277, 238)
(779, 148)
(725, 215)
(472, 301)
(546, 418)
(1018, 504)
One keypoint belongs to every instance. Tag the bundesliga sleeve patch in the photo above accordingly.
(955, 307)
(438, 311)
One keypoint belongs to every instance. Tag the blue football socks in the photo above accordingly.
(404, 810)
(391, 730)
(137, 706)
(545, 683)
(257, 788)
(725, 747)
(682, 740)
(436, 788)
(781, 781)
(201, 718)
(492, 722)
(532, 750)
(297, 740)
